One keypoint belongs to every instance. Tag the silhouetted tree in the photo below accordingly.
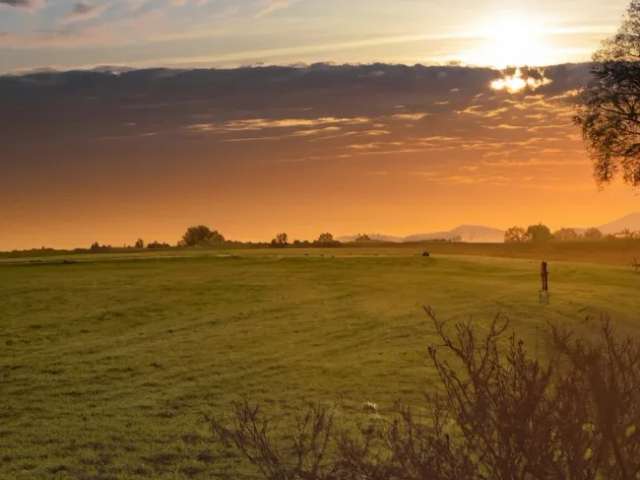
(516, 235)
(280, 241)
(609, 109)
(593, 234)
(539, 233)
(139, 243)
(326, 240)
(201, 235)
(301, 243)
(363, 238)
(97, 248)
(157, 245)
(628, 234)
(566, 235)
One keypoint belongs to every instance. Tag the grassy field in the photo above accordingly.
(109, 365)
(611, 252)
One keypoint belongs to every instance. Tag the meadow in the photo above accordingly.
(110, 363)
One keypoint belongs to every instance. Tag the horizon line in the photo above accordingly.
(113, 69)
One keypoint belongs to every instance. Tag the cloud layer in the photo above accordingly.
(300, 149)
(27, 4)
(85, 11)
(230, 33)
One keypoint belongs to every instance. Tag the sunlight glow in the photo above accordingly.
(516, 82)
(511, 39)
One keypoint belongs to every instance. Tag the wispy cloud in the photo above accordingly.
(25, 4)
(410, 116)
(256, 124)
(182, 3)
(82, 11)
(270, 6)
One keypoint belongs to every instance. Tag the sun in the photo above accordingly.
(510, 39)
(516, 81)
(511, 83)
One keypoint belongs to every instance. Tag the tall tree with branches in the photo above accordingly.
(609, 107)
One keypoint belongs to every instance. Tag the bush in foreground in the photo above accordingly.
(501, 415)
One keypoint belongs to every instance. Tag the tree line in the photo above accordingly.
(201, 236)
(541, 233)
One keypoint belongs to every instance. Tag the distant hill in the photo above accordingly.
(631, 222)
(465, 233)
(484, 234)
(376, 237)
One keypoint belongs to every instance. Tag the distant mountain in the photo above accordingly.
(483, 234)
(631, 222)
(464, 233)
(377, 237)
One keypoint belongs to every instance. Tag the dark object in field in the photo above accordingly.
(426, 254)
(55, 262)
(636, 265)
(544, 276)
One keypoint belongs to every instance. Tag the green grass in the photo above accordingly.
(109, 365)
(611, 252)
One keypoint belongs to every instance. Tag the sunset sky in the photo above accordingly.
(375, 146)
(72, 33)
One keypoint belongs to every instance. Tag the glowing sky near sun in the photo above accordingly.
(82, 33)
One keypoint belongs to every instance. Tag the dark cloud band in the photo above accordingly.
(27, 4)
(84, 11)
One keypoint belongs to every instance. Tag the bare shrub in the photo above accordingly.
(500, 415)
(303, 456)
